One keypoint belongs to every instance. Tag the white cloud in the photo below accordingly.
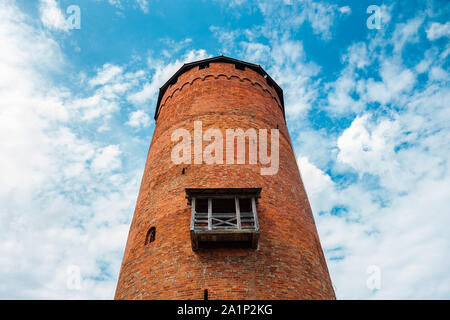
(149, 91)
(112, 84)
(318, 185)
(289, 69)
(437, 30)
(233, 3)
(107, 73)
(255, 52)
(357, 55)
(287, 52)
(141, 4)
(345, 10)
(139, 118)
(379, 187)
(53, 194)
(340, 99)
(390, 208)
(172, 47)
(284, 17)
(406, 32)
(51, 15)
(163, 72)
(438, 74)
(405, 239)
(318, 182)
(107, 159)
(404, 242)
(67, 192)
(396, 80)
(94, 107)
(368, 150)
(225, 37)
(321, 17)
(408, 156)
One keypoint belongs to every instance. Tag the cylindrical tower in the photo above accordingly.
(227, 228)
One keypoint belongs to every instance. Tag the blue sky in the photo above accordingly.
(367, 109)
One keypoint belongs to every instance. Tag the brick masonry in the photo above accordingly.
(288, 263)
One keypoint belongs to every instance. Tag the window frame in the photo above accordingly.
(240, 229)
(238, 213)
(150, 236)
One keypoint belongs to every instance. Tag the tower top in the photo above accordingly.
(221, 58)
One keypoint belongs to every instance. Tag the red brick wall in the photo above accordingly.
(288, 264)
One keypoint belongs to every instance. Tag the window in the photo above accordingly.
(175, 80)
(150, 237)
(225, 213)
(224, 217)
(203, 65)
(239, 66)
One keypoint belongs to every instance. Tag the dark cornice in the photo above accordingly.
(188, 66)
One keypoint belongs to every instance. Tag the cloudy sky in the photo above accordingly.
(368, 110)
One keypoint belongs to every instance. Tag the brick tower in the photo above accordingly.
(224, 229)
